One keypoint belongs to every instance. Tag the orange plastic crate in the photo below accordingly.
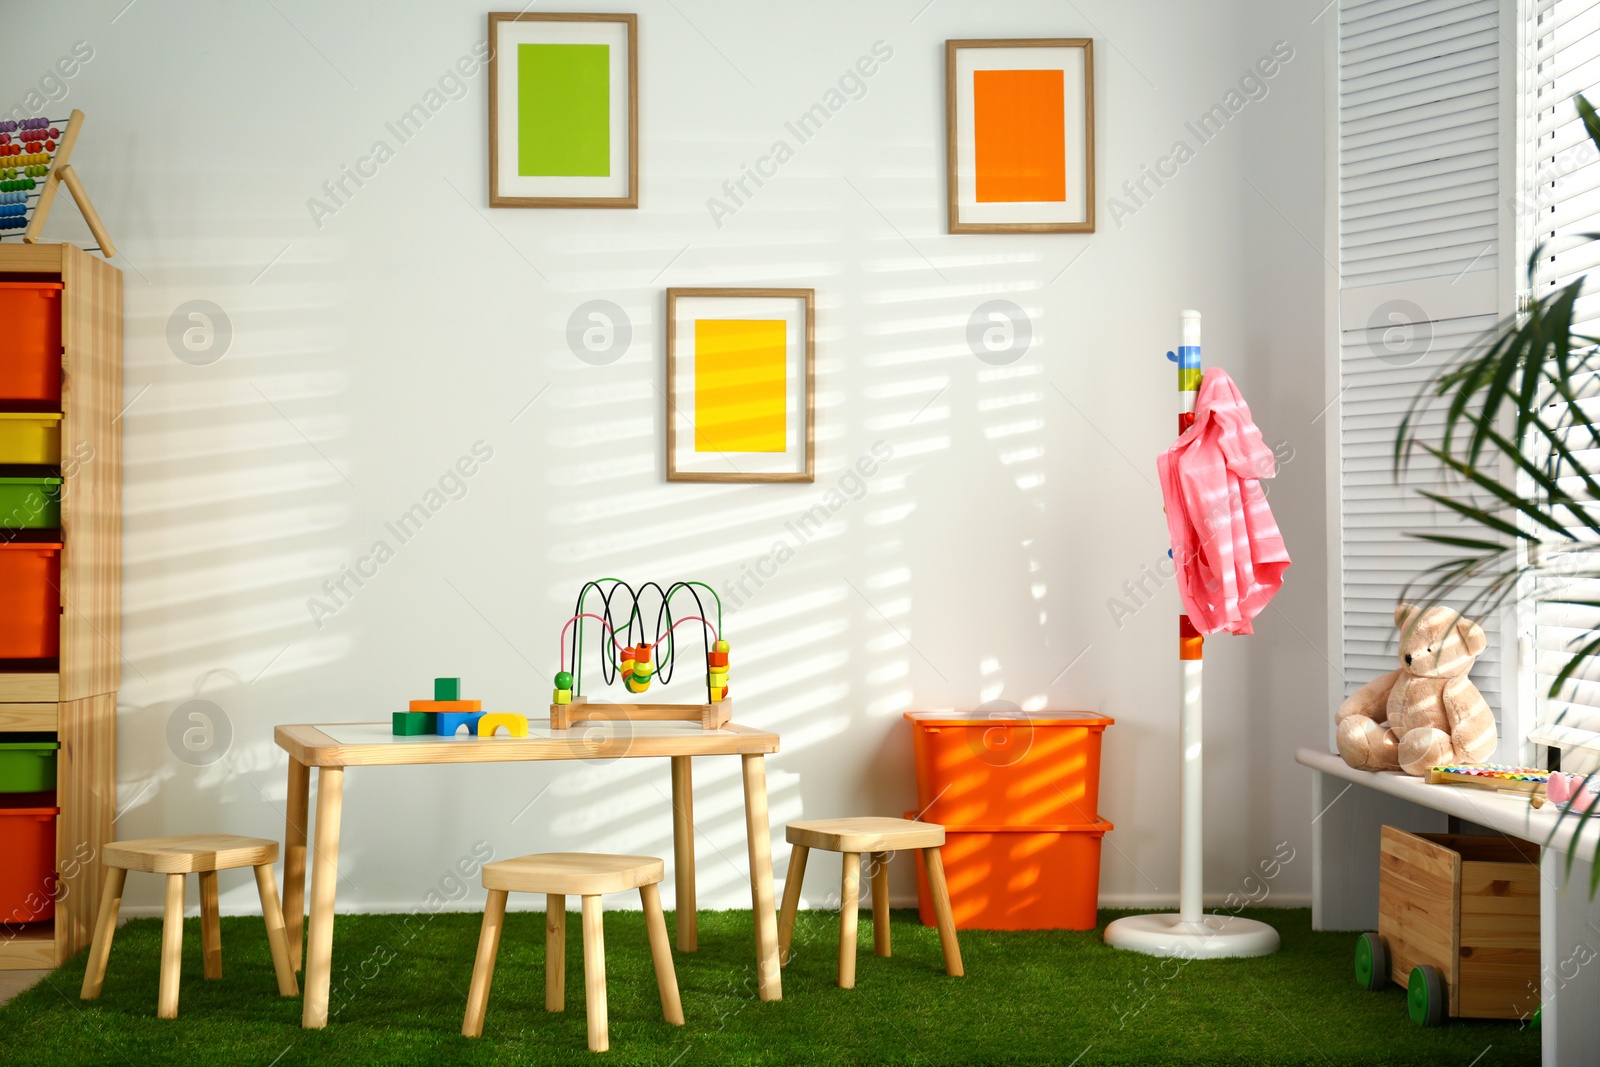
(30, 600)
(1010, 878)
(28, 843)
(1027, 769)
(30, 357)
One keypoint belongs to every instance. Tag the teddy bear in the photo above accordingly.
(1425, 713)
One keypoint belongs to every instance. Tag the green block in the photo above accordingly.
(413, 723)
(447, 689)
(564, 110)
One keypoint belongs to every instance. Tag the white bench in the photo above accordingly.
(1347, 808)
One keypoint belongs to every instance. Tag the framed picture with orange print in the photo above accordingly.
(741, 366)
(1019, 135)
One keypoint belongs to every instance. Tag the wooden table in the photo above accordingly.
(334, 746)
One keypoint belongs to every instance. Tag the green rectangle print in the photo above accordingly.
(564, 110)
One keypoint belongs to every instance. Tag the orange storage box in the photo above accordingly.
(30, 600)
(30, 357)
(1010, 878)
(28, 843)
(1019, 769)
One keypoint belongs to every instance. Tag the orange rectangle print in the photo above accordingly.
(1019, 135)
(740, 381)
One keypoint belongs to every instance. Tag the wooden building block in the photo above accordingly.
(451, 721)
(516, 725)
(447, 705)
(413, 723)
(447, 689)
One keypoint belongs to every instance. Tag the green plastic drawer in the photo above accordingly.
(27, 766)
(30, 503)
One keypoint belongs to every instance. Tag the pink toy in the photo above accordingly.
(1576, 792)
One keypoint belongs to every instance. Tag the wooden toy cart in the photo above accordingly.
(1458, 926)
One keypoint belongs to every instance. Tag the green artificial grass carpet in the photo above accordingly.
(1053, 997)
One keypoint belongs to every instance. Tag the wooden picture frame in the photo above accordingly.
(571, 168)
(1000, 175)
(696, 452)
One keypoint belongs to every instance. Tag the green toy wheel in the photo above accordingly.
(1372, 962)
(1425, 996)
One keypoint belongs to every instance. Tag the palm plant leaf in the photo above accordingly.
(1515, 445)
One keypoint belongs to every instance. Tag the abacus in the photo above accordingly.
(35, 159)
(639, 661)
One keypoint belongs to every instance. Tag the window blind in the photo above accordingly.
(1419, 223)
(1563, 179)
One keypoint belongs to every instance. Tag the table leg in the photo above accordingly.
(1569, 936)
(769, 979)
(683, 852)
(324, 881)
(294, 859)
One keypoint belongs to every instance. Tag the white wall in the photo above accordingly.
(370, 352)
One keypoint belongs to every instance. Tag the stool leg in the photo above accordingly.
(791, 900)
(494, 917)
(210, 925)
(555, 952)
(277, 933)
(850, 904)
(941, 911)
(594, 973)
(880, 903)
(171, 948)
(105, 927)
(655, 923)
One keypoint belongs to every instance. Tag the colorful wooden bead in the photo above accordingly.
(563, 680)
(720, 646)
(562, 696)
(716, 659)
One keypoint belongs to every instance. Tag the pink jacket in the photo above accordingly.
(1225, 543)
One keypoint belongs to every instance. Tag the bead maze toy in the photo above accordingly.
(447, 713)
(640, 662)
(35, 160)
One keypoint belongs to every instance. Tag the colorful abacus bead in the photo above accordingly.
(561, 696)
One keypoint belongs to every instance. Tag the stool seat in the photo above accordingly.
(202, 855)
(868, 834)
(191, 853)
(578, 873)
(877, 839)
(586, 875)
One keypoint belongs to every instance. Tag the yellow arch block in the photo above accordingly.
(516, 725)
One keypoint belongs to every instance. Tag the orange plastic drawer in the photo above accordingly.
(1006, 878)
(30, 600)
(1037, 768)
(30, 355)
(28, 843)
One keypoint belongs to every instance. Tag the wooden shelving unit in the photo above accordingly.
(77, 701)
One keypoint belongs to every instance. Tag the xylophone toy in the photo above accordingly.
(639, 654)
(35, 157)
(447, 713)
(1525, 781)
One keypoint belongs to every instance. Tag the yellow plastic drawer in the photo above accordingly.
(27, 437)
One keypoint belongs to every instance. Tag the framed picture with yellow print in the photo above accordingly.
(741, 366)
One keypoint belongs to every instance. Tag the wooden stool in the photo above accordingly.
(877, 838)
(205, 855)
(557, 874)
